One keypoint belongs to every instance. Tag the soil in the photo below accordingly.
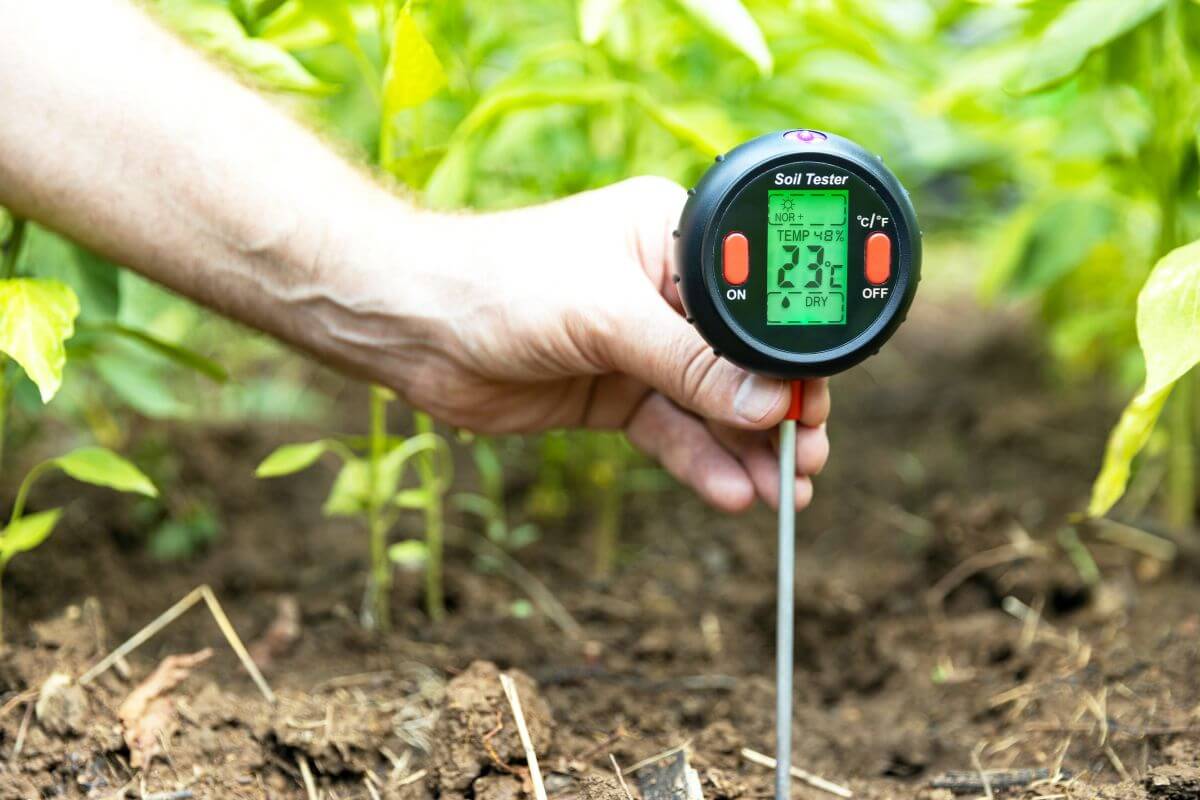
(942, 628)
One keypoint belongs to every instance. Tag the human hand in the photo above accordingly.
(566, 315)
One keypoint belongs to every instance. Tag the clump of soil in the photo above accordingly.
(476, 734)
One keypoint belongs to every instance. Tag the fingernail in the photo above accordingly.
(757, 397)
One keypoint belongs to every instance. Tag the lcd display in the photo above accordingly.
(807, 234)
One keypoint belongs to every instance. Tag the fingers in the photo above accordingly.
(816, 403)
(646, 338)
(728, 467)
(688, 450)
(758, 455)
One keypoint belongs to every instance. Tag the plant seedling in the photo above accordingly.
(368, 489)
(489, 504)
(97, 466)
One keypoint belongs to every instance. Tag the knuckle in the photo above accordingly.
(698, 365)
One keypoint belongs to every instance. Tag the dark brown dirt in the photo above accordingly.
(941, 624)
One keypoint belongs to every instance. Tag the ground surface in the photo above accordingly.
(953, 471)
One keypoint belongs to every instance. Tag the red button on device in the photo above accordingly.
(879, 258)
(735, 258)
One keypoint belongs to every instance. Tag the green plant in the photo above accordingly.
(489, 504)
(613, 472)
(1093, 107)
(61, 307)
(369, 488)
(602, 467)
(95, 465)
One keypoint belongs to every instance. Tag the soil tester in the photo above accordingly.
(799, 256)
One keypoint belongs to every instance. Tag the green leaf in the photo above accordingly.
(291, 458)
(144, 388)
(595, 17)
(348, 495)
(27, 533)
(1046, 255)
(1168, 318)
(523, 535)
(213, 27)
(730, 21)
(296, 26)
(1124, 443)
(172, 352)
(705, 127)
(477, 504)
(412, 499)
(413, 74)
(393, 462)
(36, 318)
(410, 554)
(100, 466)
(1080, 30)
(94, 280)
(336, 14)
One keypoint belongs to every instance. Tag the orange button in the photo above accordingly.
(735, 258)
(879, 258)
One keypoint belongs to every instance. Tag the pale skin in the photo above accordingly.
(118, 135)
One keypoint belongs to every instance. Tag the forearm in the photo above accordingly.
(119, 136)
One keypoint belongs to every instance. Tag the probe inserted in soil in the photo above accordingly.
(785, 605)
(798, 255)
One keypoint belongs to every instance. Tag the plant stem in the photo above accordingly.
(2, 566)
(1181, 475)
(607, 532)
(607, 477)
(8, 268)
(379, 592)
(18, 509)
(435, 598)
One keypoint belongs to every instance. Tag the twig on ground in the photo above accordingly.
(193, 597)
(620, 777)
(24, 729)
(16, 701)
(1118, 765)
(527, 582)
(1021, 548)
(983, 776)
(616, 736)
(371, 790)
(815, 781)
(645, 762)
(413, 778)
(306, 773)
(1136, 539)
(182, 794)
(514, 700)
(350, 681)
(1000, 780)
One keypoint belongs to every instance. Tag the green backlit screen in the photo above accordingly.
(806, 256)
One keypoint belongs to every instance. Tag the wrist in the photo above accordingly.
(372, 283)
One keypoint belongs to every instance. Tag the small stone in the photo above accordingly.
(497, 787)
(62, 706)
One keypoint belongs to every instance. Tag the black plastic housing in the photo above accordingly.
(698, 242)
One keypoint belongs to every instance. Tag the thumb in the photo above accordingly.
(656, 345)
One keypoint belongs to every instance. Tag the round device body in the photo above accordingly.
(799, 254)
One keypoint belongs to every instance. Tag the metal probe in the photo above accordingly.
(784, 616)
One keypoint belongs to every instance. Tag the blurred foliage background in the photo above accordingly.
(1050, 146)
